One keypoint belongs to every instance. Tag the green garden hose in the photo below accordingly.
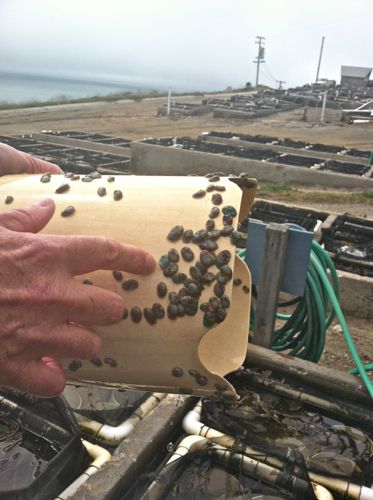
(304, 332)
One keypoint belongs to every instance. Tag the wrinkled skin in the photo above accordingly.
(45, 314)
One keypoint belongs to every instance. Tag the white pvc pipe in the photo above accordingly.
(99, 456)
(187, 445)
(321, 493)
(194, 443)
(192, 425)
(114, 435)
(265, 472)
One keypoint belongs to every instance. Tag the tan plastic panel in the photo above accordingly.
(146, 354)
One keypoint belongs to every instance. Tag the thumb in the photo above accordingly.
(36, 165)
(43, 378)
(30, 219)
(13, 161)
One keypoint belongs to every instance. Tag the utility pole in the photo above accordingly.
(260, 57)
(169, 102)
(280, 82)
(322, 116)
(318, 66)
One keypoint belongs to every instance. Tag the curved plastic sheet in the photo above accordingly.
(146, 356)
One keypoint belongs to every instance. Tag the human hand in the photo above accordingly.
(13, 161)
(45, 314)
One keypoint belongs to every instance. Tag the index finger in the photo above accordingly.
(84, 254)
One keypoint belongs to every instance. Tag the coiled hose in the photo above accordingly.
(304, 331)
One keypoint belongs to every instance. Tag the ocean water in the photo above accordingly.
(17, 88)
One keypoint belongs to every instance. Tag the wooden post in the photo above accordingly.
(271, 275)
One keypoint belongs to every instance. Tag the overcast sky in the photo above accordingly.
(190, 43)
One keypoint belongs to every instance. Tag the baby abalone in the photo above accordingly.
(214, 234)
(178, 278)
(117, 195)
(170, 270)
(149, 315)
(199, 194)
(110, 362)
(207, 258)
(193, 289)
(96, 362)
(136, 314)
(176, 233)
(214, 212)
(237, 237)
(187, 254)
(45, 178)
(187, 236)
(161, 289)
(63, 188)
(210, 224)
(226, 230)
(130, 284)
(225, 302)
(75, 365)
(172, 311)
(217, 199)
(173, 298)
(68, 211)
(201, 379)
(118, 276)
(214, 304)
(177, 372)
(227, 220)
(95, 175)
(173, 255)
(229, 210)
(209, 245)
(164, 261)
(226, 271)
(219, 289)
(209, 319)
(208, 278)
(200, 235)
(204, 307)
(158, 310)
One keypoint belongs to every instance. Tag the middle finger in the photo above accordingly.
(92, 305)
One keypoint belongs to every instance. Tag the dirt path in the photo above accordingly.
(136, 120)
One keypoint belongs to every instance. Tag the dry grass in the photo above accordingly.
(284, 192)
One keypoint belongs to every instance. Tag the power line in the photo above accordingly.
(268, 74)
(280, 82)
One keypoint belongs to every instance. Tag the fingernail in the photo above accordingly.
(149, 262)
(45, 202)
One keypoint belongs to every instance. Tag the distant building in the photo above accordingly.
(355, 76)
